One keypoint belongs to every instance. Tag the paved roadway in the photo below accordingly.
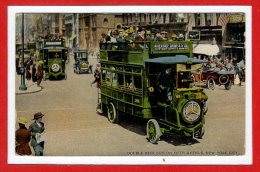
(74, 128)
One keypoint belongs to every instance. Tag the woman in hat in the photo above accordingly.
(39, 72)
(36, 130)
(22, 138)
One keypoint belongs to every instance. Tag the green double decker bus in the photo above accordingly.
(130, 85)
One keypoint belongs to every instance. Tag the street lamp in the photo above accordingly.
(22, 68)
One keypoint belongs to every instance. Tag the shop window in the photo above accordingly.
(197, 20)
(105, 22)
(209, 19)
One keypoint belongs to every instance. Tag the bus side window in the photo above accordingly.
(108, 75)
(114, 79)
(138, 82)
(103, 75)
(120, 78)
(128, 81)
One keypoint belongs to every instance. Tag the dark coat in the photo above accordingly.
(22, 138)
(35, 128)
(34, 76)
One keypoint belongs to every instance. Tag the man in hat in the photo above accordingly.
(22, 138)
(174, 37)
(164, 36)
(121, 40)
(36, 129)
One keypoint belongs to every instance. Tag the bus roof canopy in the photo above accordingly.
(178, 59)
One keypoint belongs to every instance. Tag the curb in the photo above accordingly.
(28, 91)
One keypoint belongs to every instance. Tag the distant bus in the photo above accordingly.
(54, 54)
(129, 86)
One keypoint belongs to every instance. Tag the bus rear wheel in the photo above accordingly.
(153, 131)
(112, 114)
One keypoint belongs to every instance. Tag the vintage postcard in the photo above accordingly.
(129, 85)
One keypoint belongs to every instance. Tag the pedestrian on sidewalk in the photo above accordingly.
(34, 74)
(22, 138)
(28, 74)
(37, 129)
(39, 73)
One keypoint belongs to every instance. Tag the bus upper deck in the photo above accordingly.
(137, 52)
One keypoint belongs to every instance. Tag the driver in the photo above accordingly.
(165, 85)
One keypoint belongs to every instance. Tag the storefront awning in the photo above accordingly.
(72, 37)
(207, 49)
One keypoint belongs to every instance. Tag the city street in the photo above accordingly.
(75, 129)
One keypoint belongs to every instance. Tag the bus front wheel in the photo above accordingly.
(153, 131)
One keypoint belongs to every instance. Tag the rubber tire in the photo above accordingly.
(211, 84)
(112, 114)
(223, 83)
(153, 126)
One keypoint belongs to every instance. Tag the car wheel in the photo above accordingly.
(223, 79)
(153, 131)
(112, 114)
(211, 84)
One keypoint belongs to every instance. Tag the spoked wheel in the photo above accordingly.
(228, 85)
(112, 114)
(223, 79)
(211, 84)
(153, 131)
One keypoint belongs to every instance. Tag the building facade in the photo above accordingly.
(234, 38)
(91, 26)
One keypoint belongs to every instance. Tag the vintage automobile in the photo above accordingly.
(81, 64)
(211, 78)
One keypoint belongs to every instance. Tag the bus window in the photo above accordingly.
(137, 69)
(138, 82)
(128, 81)
(103, 75)
(184, 79)
(128, 69)
(120, 68)
(120, 78)
(108, 75)
(114, 79)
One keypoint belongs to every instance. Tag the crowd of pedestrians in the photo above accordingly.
(33, 69)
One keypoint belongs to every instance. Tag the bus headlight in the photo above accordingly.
(191, 111)
(55, 67)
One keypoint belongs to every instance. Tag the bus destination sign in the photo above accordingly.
(170, 46)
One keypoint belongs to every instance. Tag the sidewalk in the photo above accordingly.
(31, 87)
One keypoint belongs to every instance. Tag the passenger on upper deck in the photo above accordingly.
(164, 36)
(174, 37)
(121, 40)
(181, 37)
